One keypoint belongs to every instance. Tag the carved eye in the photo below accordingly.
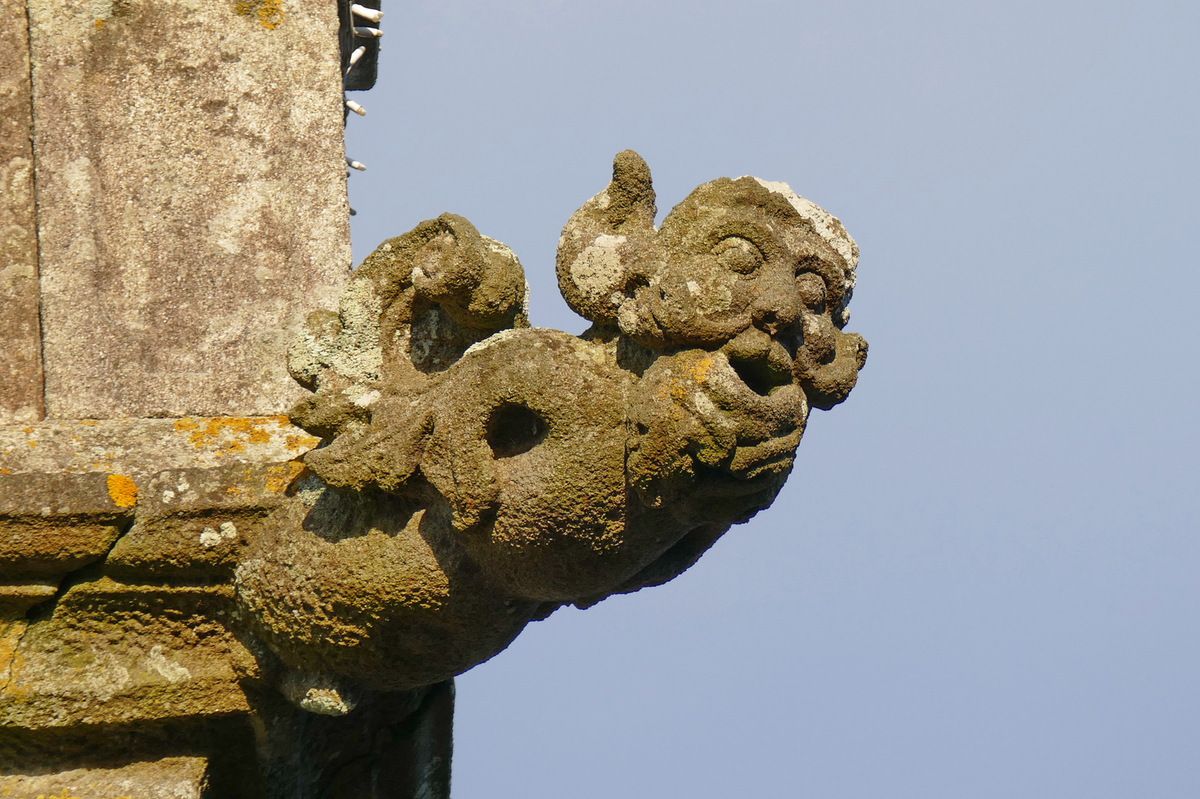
(812, 291)
(738, 255)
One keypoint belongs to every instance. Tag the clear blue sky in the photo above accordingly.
(983, 578)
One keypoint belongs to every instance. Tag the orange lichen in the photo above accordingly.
(185, 424)
(295, 442)
(122, 490)
(280, 476)
(228, 435)
(67, 794)
(701, 369)
(270, 13)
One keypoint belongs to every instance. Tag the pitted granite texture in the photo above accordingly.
(21, 354)
(192, 199)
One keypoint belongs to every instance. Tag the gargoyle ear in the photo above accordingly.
(601, 241)
(477, 280)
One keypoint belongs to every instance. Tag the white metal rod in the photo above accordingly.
(369, 14)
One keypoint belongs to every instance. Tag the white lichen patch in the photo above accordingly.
(104, 677)
(828, 226)
(171, 671)
(318, 693)
(211, 537)
(598, 270)
(361, 396)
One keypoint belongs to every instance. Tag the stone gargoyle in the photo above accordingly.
(477, 473)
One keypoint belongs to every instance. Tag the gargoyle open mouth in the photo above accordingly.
(761, 375)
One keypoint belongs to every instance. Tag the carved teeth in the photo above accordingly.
(359, 165)
(356, 55)
(356, 108)
(369, 14)
(367, 33)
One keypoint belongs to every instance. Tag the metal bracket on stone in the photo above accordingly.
(365, 16)
(359, 35)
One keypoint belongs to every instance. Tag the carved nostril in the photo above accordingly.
(514, 429)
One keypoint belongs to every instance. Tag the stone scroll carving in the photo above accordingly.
(477, 473)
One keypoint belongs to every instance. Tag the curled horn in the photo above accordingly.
(600, 241)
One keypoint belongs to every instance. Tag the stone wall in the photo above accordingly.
(20, 357)
(172, 205)
(191, 202)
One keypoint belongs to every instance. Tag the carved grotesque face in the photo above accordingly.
(750, 269)
(744, 267)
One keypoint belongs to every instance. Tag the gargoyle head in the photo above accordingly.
(742, 266)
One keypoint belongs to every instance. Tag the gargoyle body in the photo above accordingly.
(477, 473)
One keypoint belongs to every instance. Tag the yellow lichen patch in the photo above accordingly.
(185, 424)
(701, 368)
(89, 422)
(67, 794)
(270, 13)
(122, 490)
(4, 470)
(281, 475)
(228, 435)
(295, 442)
(10, 635)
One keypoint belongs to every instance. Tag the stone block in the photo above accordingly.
(142, 448)
(169, 778)
(191, 522)
(116, 653)
(21, 355)
(51, 524)
(192, 199)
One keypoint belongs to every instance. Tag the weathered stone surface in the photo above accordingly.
(479, 474)
(192, 522)
(473, 474)
(169, 778)
(144, 447)
(21, 353)
(191, 175)
(52, 524)
(173, 657)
